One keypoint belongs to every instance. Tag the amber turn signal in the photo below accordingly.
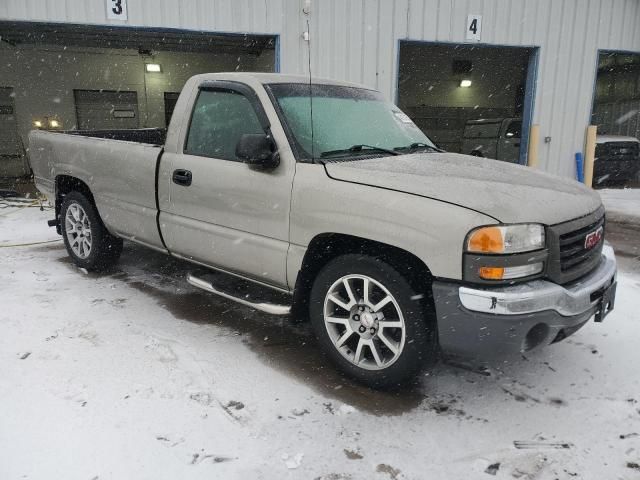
(486, 240)
(491, 273)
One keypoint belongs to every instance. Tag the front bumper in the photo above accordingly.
(488, 322)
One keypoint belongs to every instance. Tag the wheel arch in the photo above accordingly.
(325, 247)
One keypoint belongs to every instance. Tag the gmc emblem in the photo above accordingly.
(593, 239)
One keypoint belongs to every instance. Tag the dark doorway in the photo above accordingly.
(616, 112)
(170, 100)
(469, 99)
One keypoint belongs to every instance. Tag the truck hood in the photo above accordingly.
(509, 193)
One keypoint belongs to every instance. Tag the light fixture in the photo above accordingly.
(54, 123)
(37, 123)
(465, 83)
(152, 67)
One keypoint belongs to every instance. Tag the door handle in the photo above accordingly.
(516, 144)
(182, 177)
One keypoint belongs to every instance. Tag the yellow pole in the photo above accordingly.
(534, 140)
(590, 154)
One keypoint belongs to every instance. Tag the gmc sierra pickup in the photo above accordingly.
(328, 199)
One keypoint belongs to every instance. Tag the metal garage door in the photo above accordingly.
(9, 143)
(105, 109)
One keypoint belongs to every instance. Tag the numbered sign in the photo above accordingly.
(474, 27)
(116, 9)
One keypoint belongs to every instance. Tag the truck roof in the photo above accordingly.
(266, 78)
(482, 121)
(615, 138)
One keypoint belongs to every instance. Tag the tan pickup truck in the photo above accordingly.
(334, 206)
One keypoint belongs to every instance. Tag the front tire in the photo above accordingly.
(370, 320)
(88, 242)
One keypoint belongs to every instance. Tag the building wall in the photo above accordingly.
(357, 40)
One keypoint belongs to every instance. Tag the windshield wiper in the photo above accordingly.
(416, 146)
(357, 149)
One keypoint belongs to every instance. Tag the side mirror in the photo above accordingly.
(258, 150)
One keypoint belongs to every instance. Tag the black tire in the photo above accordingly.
(105, 248)
(420, 345)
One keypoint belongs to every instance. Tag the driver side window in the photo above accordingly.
(219, 119)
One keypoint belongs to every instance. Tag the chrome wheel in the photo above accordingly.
(77, 226)
(364, 322)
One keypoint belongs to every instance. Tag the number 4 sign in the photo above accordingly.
(474, 27)
(116, 9)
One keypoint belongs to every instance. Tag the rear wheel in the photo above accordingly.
(88, 242)
(371, 322)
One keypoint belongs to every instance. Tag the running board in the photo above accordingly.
(245, 293)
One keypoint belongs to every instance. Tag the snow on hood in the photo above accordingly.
(507, 192)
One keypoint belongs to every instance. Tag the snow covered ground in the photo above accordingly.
(135, 375)
(622, 204)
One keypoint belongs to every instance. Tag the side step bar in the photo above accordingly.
(244, 293)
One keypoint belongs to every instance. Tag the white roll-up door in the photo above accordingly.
(106, 110)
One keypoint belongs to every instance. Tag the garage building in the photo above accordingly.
(469, 72)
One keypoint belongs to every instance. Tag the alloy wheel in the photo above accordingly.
(364, 322)
(78, 229)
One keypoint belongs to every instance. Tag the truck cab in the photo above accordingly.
(496, 138)
(617, 160)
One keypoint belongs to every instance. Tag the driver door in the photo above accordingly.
(221, 212)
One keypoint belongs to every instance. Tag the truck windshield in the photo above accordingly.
(348, 122)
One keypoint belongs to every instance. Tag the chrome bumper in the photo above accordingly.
(541, 295)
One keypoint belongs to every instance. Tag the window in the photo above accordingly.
(480, 129)
(514, 129)
(219, 119)
(343, 117)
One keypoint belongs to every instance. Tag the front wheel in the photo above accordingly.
(87, 240)
(371, 321)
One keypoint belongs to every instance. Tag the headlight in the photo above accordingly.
(506, 239)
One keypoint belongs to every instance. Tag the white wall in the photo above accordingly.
(357, 40)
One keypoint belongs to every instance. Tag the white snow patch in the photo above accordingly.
(622, 204)
(292, 462)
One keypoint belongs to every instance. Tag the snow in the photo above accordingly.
(622, 205)
(136, 375)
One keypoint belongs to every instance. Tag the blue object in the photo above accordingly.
(579, 167)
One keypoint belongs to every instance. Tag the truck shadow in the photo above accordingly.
(289, 347)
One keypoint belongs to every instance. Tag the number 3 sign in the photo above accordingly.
(474, 27)
(116, 9)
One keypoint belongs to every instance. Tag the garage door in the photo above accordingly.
(464, 97)
(105, 109)
(9, 144)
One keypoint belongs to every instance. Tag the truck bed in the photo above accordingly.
(118, 166)
(150, 136)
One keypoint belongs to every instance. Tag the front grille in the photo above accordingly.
(570, 259)
(572, 246)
